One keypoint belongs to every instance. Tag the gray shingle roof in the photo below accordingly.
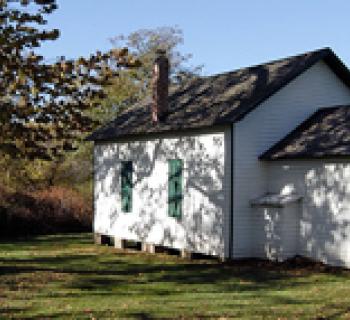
(326, 134)
(219, 99)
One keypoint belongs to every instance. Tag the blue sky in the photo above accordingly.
(221, 34)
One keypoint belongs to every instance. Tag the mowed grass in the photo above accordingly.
(68, 277)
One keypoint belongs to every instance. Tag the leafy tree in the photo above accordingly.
(43, 105)
(133, 85)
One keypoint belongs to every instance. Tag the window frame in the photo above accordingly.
(126, 186)
(175, 188)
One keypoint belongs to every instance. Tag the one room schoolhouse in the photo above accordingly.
(249, 163)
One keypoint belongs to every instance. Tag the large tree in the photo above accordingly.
(43, 105)
(133, 84)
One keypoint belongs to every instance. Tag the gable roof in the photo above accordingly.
(219, 99)
(326, 134)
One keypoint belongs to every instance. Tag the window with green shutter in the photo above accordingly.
(126, 186)
(175, 188)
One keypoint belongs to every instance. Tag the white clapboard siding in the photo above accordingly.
(259, 130)
(206, 190)
(278, 231)
(325, 213)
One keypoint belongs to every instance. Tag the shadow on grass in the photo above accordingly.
(90, 315)
(47, 240)
(120, 265)
(92, 274)
(103, 272)
(7, 311)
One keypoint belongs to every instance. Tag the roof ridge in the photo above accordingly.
(325, 50)
(222, 98)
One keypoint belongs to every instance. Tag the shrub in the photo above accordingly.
(53, 210)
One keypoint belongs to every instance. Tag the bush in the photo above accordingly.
(53, 210)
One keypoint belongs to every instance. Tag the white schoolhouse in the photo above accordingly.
(249, 163)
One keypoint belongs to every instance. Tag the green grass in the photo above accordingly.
(68, 277)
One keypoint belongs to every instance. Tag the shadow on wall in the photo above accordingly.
(326, 218)
(204, 197)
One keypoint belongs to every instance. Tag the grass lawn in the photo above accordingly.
(68, 277)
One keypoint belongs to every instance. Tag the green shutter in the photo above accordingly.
(126, 186)
(175, 188)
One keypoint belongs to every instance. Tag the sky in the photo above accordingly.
(222, 35)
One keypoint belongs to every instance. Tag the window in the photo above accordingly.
(175, 188)
(126, 186)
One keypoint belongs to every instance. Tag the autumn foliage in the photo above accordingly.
(53, 210)
(44, 105)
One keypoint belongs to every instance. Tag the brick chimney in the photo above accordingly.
(160, 86)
